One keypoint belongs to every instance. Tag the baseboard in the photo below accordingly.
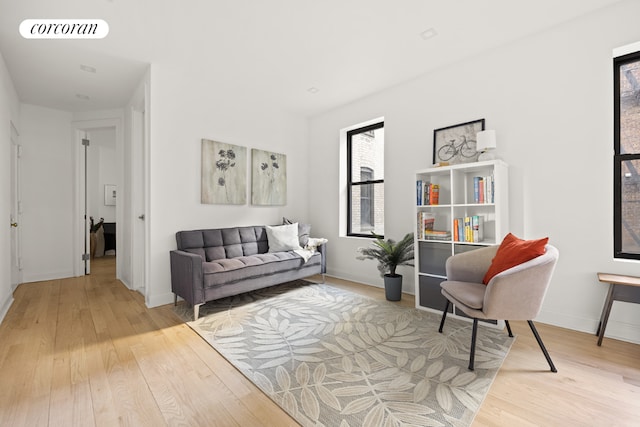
(344, 275)
(126, 283)
(366, 281)
(41, 277)
(616, 330)
(4, 309)
(158, 300)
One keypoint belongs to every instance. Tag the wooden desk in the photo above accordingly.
(621, 288)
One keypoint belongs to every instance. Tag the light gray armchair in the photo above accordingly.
(514, 294)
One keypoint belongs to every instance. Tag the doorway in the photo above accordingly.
(101, 191)
(98, 177)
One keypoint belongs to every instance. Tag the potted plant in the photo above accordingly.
(390, 254)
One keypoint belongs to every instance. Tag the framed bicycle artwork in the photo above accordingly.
(457, 144)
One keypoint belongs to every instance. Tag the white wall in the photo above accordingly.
(549, 97)
(188, 104)
(133, 200)
(9, 112)
(47, 193)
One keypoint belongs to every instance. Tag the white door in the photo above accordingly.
(16, 259)
(83, 139)
(138, 201)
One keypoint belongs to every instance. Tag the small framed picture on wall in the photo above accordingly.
(109, 195)
(457, 143)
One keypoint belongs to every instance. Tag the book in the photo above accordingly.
(434, 194)
(437, 235)
(456, 234)
(425, 223)
(476, 189)
(477, 225)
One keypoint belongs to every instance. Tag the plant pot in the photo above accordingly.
(393, 287)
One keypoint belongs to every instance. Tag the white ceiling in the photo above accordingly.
(274, 49)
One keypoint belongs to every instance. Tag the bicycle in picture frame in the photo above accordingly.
(457, 143)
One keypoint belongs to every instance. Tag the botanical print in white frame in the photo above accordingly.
(224, 173)
(269, 178)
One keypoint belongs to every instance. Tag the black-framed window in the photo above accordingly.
(365, 180)
(626, 159)
(367, 200)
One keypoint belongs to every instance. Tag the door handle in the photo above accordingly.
(14, 224)
(141, 217)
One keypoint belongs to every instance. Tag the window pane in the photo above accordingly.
(367, 153)
(630, 206)
(367, 208)
(630, 108)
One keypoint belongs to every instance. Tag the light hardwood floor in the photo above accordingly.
(86, 351)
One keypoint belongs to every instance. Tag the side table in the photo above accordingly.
(621, 288)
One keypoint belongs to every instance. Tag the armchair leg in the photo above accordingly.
(444, 316)
(472, 350)
(506, 322)
(542, 347)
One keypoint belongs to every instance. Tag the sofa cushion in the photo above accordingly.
(225, 271)
(211, 238)
(283, 237)
(223, 243)
(189, 239)
(304, 231)
(215, 252)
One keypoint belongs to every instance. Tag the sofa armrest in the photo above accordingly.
(323, 253)
(470, 266)
(186, 276)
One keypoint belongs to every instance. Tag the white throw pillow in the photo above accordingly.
(283, 237)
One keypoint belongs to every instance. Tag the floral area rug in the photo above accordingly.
(330, 357)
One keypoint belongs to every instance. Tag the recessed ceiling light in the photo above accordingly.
(87, 68)
(83, 97)
(312, 90)
(428, 34)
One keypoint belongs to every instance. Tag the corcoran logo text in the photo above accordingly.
(64, 29)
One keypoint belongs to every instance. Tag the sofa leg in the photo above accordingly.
(175, 299)
(323, 279)
(196, 311)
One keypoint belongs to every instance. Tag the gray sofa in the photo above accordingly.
(217, 263)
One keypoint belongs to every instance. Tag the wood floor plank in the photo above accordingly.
(86, 351)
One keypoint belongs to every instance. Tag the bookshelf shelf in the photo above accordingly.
(462, 194)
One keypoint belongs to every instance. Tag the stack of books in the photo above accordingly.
(437, 235)
(425, 223)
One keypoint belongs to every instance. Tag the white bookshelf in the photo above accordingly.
(456, 200)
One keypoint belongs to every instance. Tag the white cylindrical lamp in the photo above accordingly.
(486, 144)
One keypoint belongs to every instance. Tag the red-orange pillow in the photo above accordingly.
(514, 251)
